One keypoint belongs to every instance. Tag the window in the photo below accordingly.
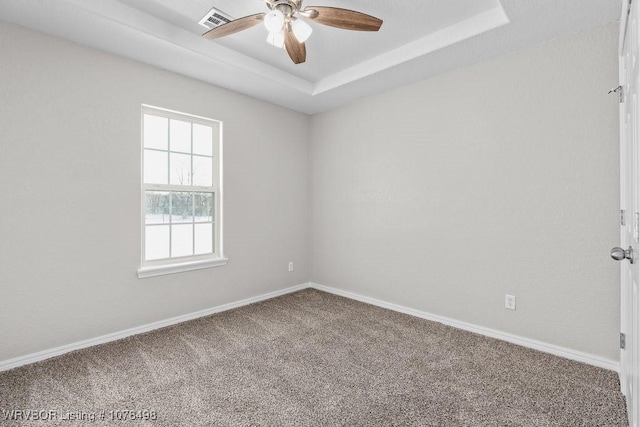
(181, 192)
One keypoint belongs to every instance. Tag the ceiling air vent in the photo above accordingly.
(214, 18)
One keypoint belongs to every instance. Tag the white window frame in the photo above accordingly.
(193, 262)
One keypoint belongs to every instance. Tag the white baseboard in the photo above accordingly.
(47, 354)
(514, 339)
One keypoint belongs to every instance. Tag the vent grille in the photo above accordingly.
(214, 18)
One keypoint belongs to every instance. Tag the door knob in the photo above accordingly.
(619, 254)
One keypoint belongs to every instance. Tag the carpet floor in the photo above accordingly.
(311, 359)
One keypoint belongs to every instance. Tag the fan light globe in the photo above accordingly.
(276, 39)
(301, 30)
(274, 21)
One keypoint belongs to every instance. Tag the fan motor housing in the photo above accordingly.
(287, 7)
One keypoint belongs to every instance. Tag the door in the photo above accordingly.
(629, 208)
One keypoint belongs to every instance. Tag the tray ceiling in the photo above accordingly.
(419, 39)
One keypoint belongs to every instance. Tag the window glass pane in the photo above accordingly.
(156, 132)
(180, 136)
(204, 239)
(156, 242)
(155, 167)
(181, 240)
(179, 175)
(202, 140)
(180, 169)
(203, 171)
(157, 207)
(203, 207)
(181, 207)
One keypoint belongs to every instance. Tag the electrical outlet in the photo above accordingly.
(510, 302)
(290, 265)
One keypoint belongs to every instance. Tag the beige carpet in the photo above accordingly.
(314, 359)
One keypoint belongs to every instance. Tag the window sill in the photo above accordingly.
(161, 270)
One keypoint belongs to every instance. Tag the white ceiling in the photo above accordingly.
(418, 39)
(329, 50)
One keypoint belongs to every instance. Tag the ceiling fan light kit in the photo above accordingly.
(301, 30)
(276, 39)
(274, 21)
(286, 26)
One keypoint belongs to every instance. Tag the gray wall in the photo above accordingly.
(70, 199)
(497, 178)
(441, 196)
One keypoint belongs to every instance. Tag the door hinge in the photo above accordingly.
(623, 341)
(622, 212)
(619, 90)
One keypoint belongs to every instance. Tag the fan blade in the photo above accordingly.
(297, 51)
(234, 26)
(344, 18)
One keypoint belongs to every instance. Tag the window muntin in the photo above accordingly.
(181, 188)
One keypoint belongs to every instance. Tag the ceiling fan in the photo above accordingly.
(288, 30)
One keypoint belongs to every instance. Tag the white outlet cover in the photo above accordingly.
(510, 302)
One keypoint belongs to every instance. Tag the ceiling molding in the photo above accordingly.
(135, 20)
(452, 34)
(498, 27)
